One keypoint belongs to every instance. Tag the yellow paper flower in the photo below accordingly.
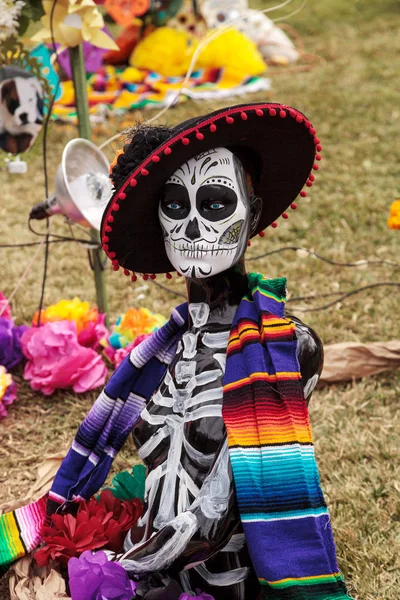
(74, 22)
(394, 218)
(5, 381)
(165, 51)
(69, 310)
(234, 52)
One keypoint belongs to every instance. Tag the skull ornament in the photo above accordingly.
(205, 214)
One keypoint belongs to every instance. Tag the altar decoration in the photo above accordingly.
(90, 324)
(73, 22)
(56, 359)
(10, 342)
(394, 218)
(124, 89)
(93, 576)
(8, 391)
(169, 52)
(100, 523)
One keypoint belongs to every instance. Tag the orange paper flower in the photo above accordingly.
(394, 218)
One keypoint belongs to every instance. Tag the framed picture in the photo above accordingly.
(25, 95)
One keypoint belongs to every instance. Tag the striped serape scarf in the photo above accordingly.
(284, 515)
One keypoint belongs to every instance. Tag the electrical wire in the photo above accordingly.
(360, 263)
(344, 296)
(45, 172)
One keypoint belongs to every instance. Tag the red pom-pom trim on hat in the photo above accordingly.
(115, 207)
(316, 141)
(311, 177)
(134, 277)
(319, 147)
(199, 136)
(155, 158)
(293, 206)
(230, 120)
(167, 150)
(112, 254)
(107, 228)
(259, 112)
(213, 128)
(110, 219)
(303, 194)
(121, 196)
(126, 272)
(315, 167)
(153, 276)
(274, 224)
(313, 131)
(318, 157)
(309, 183)
(282, 114)
(285, 216)
(144, 172)
(243, 116)
(292, 113)
(249, 243)
(145, 276)
(115, 267)
(262, 234)
(272, 112)
(185, 141)
(299, 119)
(168, 275)
(105, 239)
(133, 182)
(105, 247)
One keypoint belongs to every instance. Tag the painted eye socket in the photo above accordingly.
(174, 205)
(213, 205)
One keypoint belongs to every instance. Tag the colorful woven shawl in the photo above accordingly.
(281, 504)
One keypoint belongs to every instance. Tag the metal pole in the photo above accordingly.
(82, 107)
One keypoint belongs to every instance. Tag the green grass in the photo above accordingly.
(351, 96)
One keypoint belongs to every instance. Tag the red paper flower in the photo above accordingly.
(99, 523)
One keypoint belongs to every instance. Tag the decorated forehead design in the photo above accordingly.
(215, 167)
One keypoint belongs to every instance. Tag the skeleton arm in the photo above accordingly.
(211, 519)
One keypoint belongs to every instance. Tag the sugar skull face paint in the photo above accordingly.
(205, 214)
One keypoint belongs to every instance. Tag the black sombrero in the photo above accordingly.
(276, 143)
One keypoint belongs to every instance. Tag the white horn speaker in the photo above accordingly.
(82, 186)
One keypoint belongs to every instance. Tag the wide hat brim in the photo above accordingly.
(278, 141)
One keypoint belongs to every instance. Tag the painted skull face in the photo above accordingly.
(205, 214)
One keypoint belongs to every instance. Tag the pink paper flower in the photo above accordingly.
(91, 336)
(5, 308)
(56, 360)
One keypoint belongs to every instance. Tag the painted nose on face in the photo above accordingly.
(24, 118)
(192, 230)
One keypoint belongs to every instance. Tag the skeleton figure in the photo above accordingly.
(191, 527)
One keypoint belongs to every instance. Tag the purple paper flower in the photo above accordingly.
(94, 577)
(10, 343)
(199, 594)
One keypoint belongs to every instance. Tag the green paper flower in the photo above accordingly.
(129, 485)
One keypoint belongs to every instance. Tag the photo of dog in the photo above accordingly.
(21, 109)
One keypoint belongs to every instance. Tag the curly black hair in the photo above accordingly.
(142, 141)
